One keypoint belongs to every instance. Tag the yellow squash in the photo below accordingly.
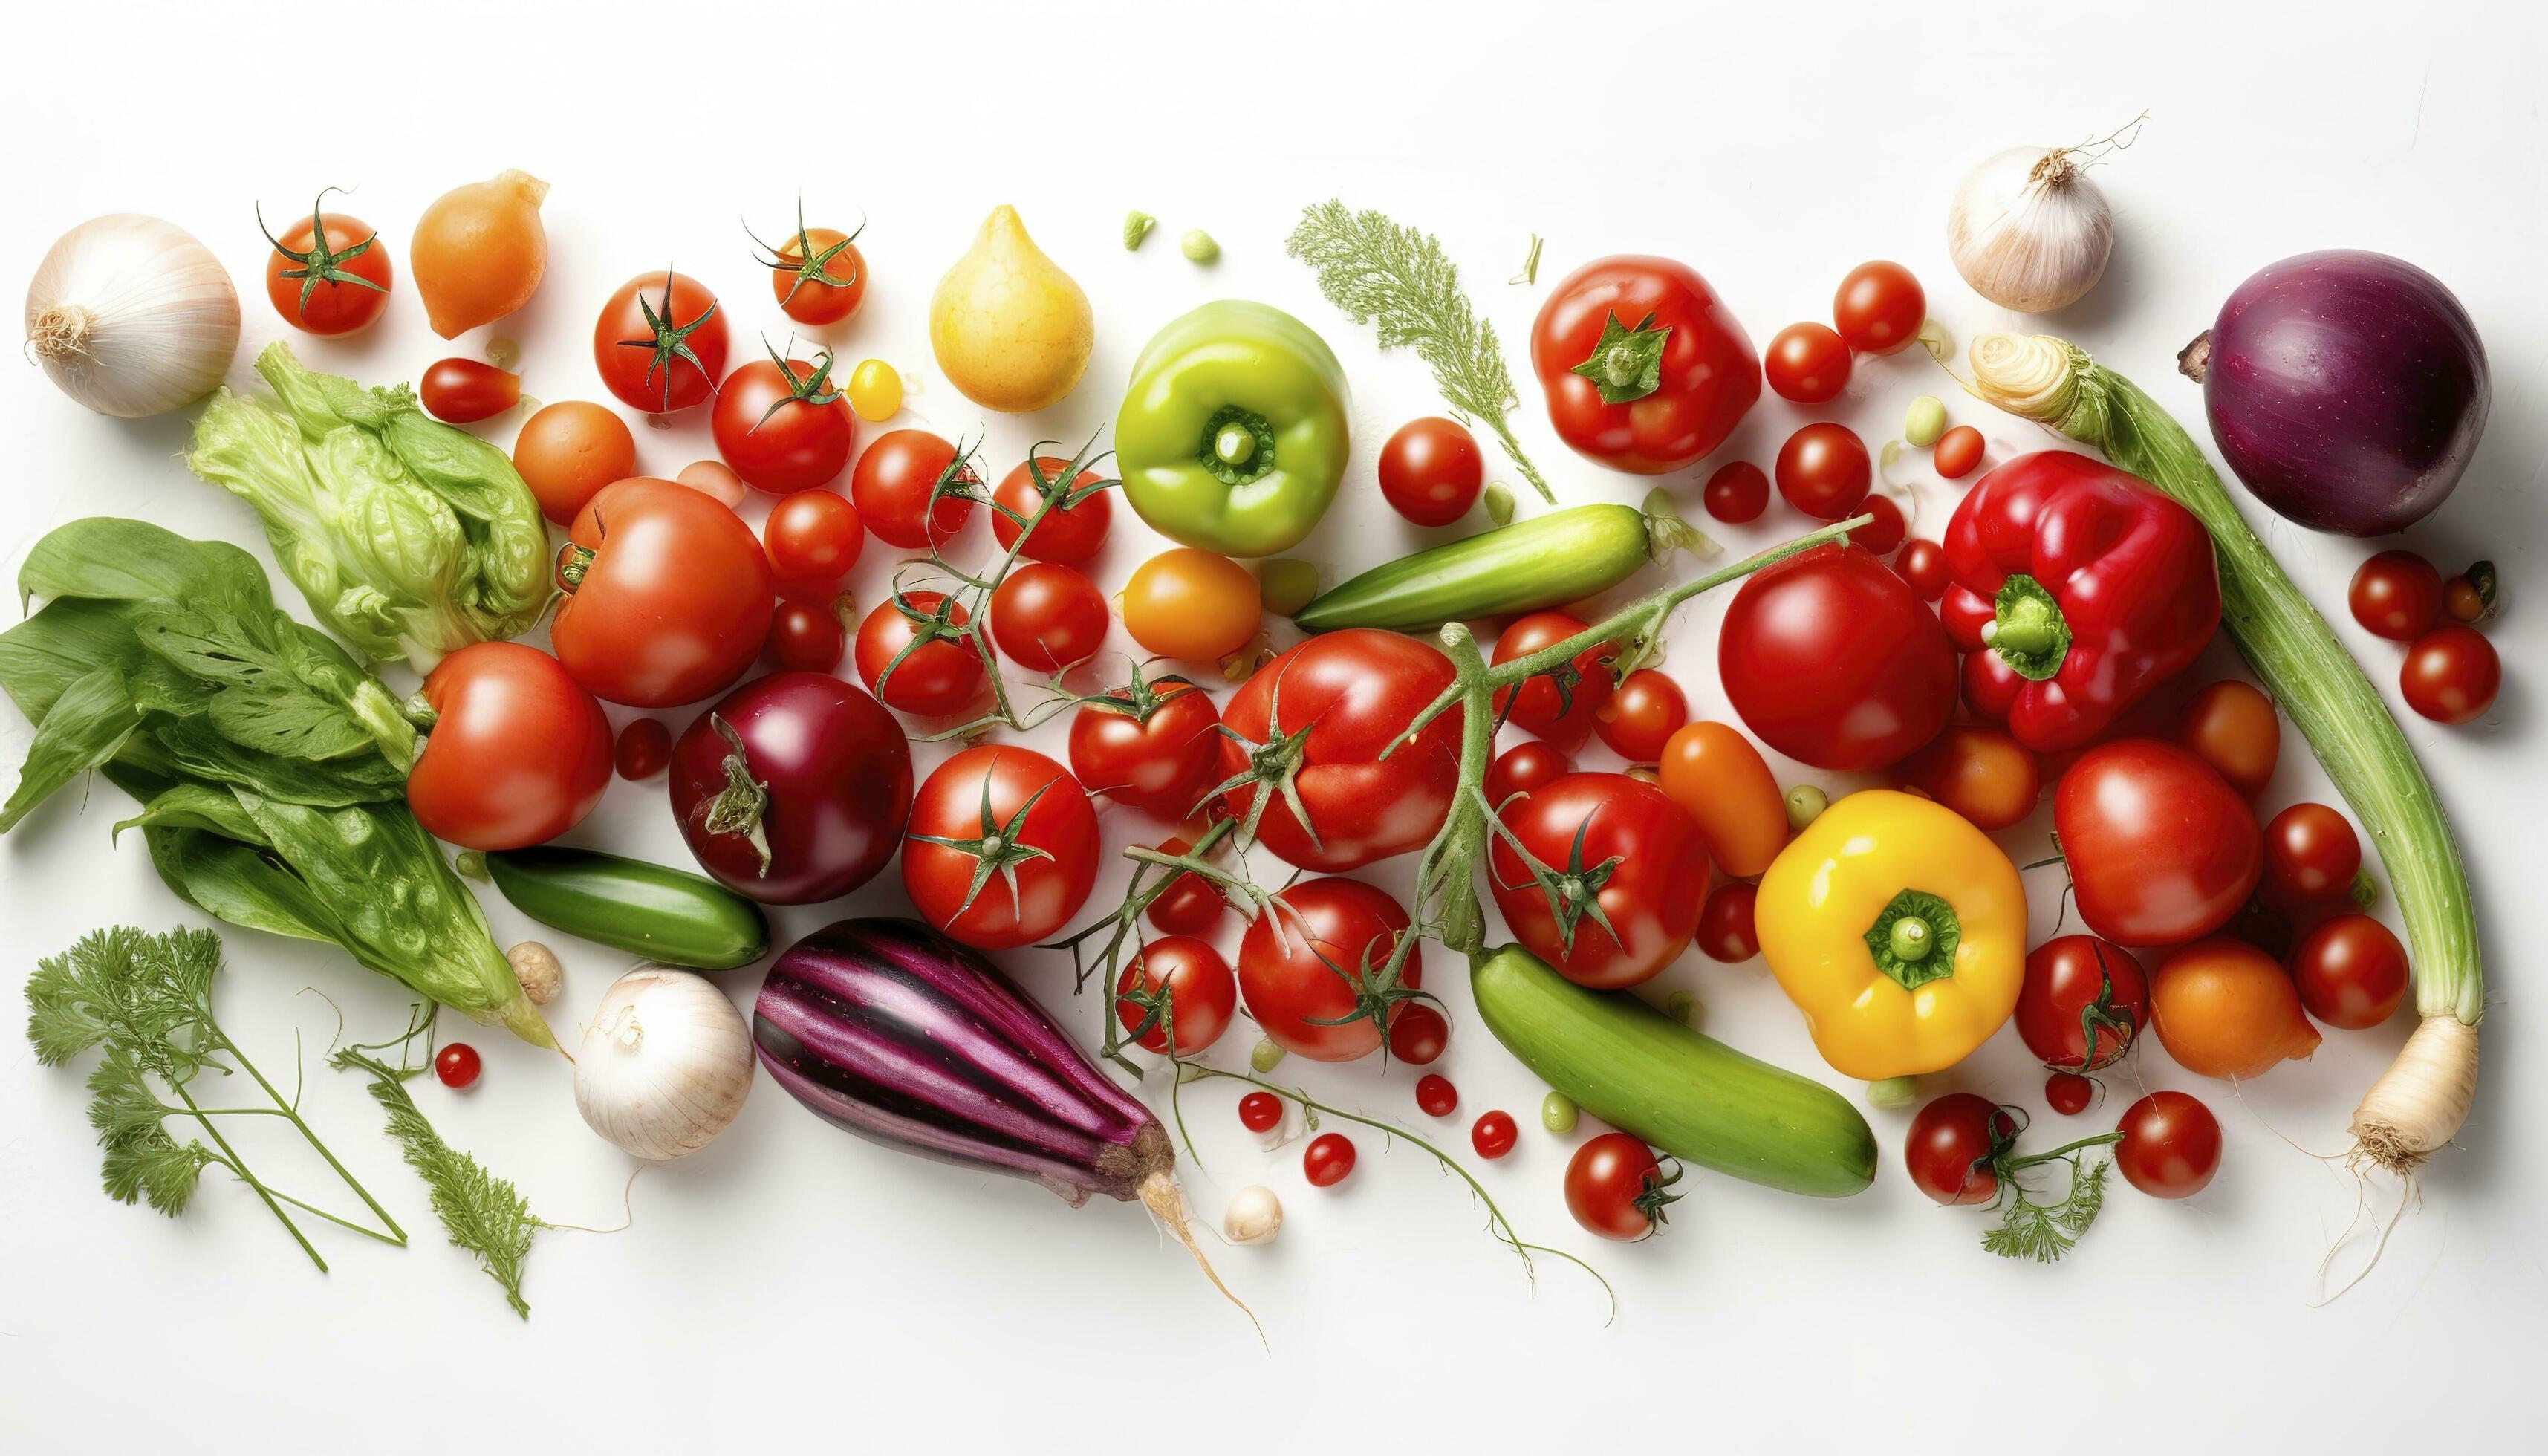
(1010, 329)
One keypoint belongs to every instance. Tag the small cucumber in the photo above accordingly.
(1545, 561)
(662, 914)
(1686, 1094)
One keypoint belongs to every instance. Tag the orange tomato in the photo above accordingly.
(1982, 773)
(570, 450)
(1713, 771)
(479, 252)
(2226, 1009)
(1192, 605)
(2232, 726)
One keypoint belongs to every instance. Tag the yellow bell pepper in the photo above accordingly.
(1898, 929)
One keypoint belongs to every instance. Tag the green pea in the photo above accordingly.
(1683, 1007)
(1557, 1113)
(1500, 504)
(1197, 246)
(1264, 1056)
(1805, 804)
(1926, 421)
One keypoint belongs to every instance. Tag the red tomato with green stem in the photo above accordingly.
(1823, 470)
(1047, 617)
(913, 489)
(1643, 713)
(1739, 491)
(1073, 525)
(518, 753)
(2170, 1145)
(464, 391)
(2081, 1004)
(667, 596)
(1002, 848)
(1836, 661)
(1879, 308)
(1314, 969)
(1155, 745)
(2351, 972)
(1594, 874)
(817, 276)
(329, 273)
(1523, 767)
(1176, 982)
(1191, 905)
(914, 654)
(783, 425)
(1559, 705)
(1806, 363)
(2451, 675)
(807, 636)
(1420, 1036)
(660, 343)
(813, 538)
(2312, 855)
(2162, 849)
(1952, 1147)
(1616, 1189)
(793, 789)
(1430, 471)
(1644, 368)
(1311, 725)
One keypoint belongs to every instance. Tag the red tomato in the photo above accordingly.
(1557, 704)
(1494, 1135)
(814, 538)
(2311, 855)
(1047, 617)
(936, 678)
(1737, 492)
(2162, 849)
(1823, 471)
(1176, 981)
(464, 391)
(1883, 535)
(1430, 471)
(1522, 767)
(1002, 848)
(912, 490)
(2396, 594)
(1950, 1146)
(783, 425)
(1418, 1036)
(1615, 1189)
(1835, 661)
(1191, 905)
(2232, 726)
(1435, 1095)
(1806, 363)
(1602, 847)
(517, 754)
(1879, 308)
(818, 275)
(807, 637)
(2463, 600)
(2171, 1145)
(1726, 930)
(2351, 972)
(329, 273)
(667, 596)
(1981, 773)
(831, 788)
(1260, 1112)
(1311, 968)
(660, 343)
(1071, 529)
(2451, 675)
(1598, 335)
(1327, 1159)
(1642, 715)
(2082, 1002)
(645, 746)
(1957, 452)
(1923, 564)
(2068, 1093)
(1155, 745)
(456, 1065)
(1321, 714)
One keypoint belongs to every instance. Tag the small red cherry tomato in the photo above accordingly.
(813, 538)
(1951, 1144)
(1958, 451)
(1047, 617)
(1737, 492)
(645, 746)
(2463, 600)
(2082, 1002)
(1556, 705)
(806, 637)
(328, 273)
(1494, 1135)
(456, 1065)
(1523, 767)
(1806, 363)
(1179, 980)
(2068, 1093)
(1879, 308)
(1725, 925)
(2451, 675)
(1260, 1112)
(464, 391)
(1823, 471)
(2171, 1145)
(1883, 535)
(1430, 471)
(1327, 1159)
(2351, 972)
(936, 678)
(1069, 531)
(1435, 1095)
(1923, 564)
(2311, 855)
(896, 482)
(1614, 1188)
(1642, 716)
(1190, 906)
(2396, 594)
(1418, 1036)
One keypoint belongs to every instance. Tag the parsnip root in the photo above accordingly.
(2417, 1104)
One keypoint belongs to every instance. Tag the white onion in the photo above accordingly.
(132, 317)
(2028, 231)
(665, 1064)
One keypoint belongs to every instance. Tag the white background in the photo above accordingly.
(793, 1281)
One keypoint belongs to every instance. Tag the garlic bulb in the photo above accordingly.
(2028, 231)
(665, 1064)
(132, 317)
(1255, 1215)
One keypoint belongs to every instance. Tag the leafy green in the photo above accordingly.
(90, 722)
(484, 1214)
(409, 537)
(2044, 1233)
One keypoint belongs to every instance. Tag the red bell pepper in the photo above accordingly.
(2077, 589)
(1644, 368)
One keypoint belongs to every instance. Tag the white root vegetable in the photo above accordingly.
(1255, 1215)
(2028, 231)
(132, 317)
(2418, 1104)
(665, 1064)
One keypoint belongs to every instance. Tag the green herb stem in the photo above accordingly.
(231, 1159)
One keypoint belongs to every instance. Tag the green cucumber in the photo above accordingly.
(1683, 1093)
(1545, 561)
(662, 914)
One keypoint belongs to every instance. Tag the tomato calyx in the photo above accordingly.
(1054, 491)
(1237, 447)
(2026, 628)
(319, 264)
(2029, 1229)
(669, 342)
(744, 802)
(1573, 892)
(808, 265)
(1377, 987)
(1158, 1007)
(1914, 939)
(1654, 1195)
(997, 851)
(1274, 767)
(1627, 362)
(2104, 1015)
(937, 624)
(815, 388)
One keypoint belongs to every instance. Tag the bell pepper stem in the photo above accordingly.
(2028, 625)
(1234, 444)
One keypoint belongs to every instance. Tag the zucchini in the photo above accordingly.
(663, 914)
(1685, 1094)
(1545, 561)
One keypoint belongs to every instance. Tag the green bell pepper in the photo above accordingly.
(1233, 431)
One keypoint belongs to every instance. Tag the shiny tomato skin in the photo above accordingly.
(1202, 993)
(1879, 308)
(2232, 726)
(1045, 890)
(1642, 714)
(777, 442)
(2068, 1093)
(1539, 705)
(1957, 452)
(818, 300)
(2451, 675)
(624, 343)
(1739, 491)
(1982, 773)
(813, 538)
(1355, 692)
(2312, 855)
(1806, 363)
(1923, 564)
(1726, 930)
(1709, 375)
(1430, 471)
(1260, 1112)
(1493, 1133)
(1715, 774)
(2351, 972)
(1656, 859)
(1833, 661)
(1328, 1159)
(1949, 1141)
(1882, 535)
(891, 486)
(837, 771)
(1418, 1036)
(567, 452)
(1435, 1096)
(2171, 1145)
(1164, 765)
(807, 636)
(674, 602)
(1604, 1181)
(464, 391)
(1191, 905)
(1523, 767)
(1067, 535)
(1991, 686)
(2162, 849)
(1192, 605)
(645, 746)
(519, 752)
(335, 308)
(936, 679)
(1289, 976)
(2396, 594)
(1823, 470)
(2076, 985)
(1047, 617)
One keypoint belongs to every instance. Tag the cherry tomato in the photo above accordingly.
(1715, 774)
(2463, 599)
(1430, 471)
(1522, 767)
(2351, 972)
(2082, 1002)
(1155, 745)
(1047, 617)
(2161, 848)
(806, 636)
(1642, 715)
(1192, 605)
(456, 1065)
(1981, 773)
(1557, 705)
(1342, 700)
(1606, 896)
(935, 679)
(1739, 491)
(783, 424)
(2171, 1145)
(1923, 564)
(912, 490)
(1951, 1144)
(1260, 1112)
(2068, 1093)
(1615, 1189)
(2232, 726)
(660, 343)
(875, 391)
(1327, 1159)
(1310, 968)
(2451, 675)
(1177, 981)
(1494, 1135)
(1806, 363)
(1823, 471)
(464, 391)
(1069, 531)
(328, 273)
(1879, 308)
(669, 595)
(1191, 905)
(1002, 848)
(813, 539)
(1726, 931)
(1418, 1036)
(2311, 855)
(833, 773)
(2396, 594)
(1883, 535)
(518, 754)
(1835, 661)
(817, 275)
(568, 452)
(1435, 1096)
(1957, 452)
(645, 746)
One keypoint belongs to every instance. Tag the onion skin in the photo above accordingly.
(2346, 389)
